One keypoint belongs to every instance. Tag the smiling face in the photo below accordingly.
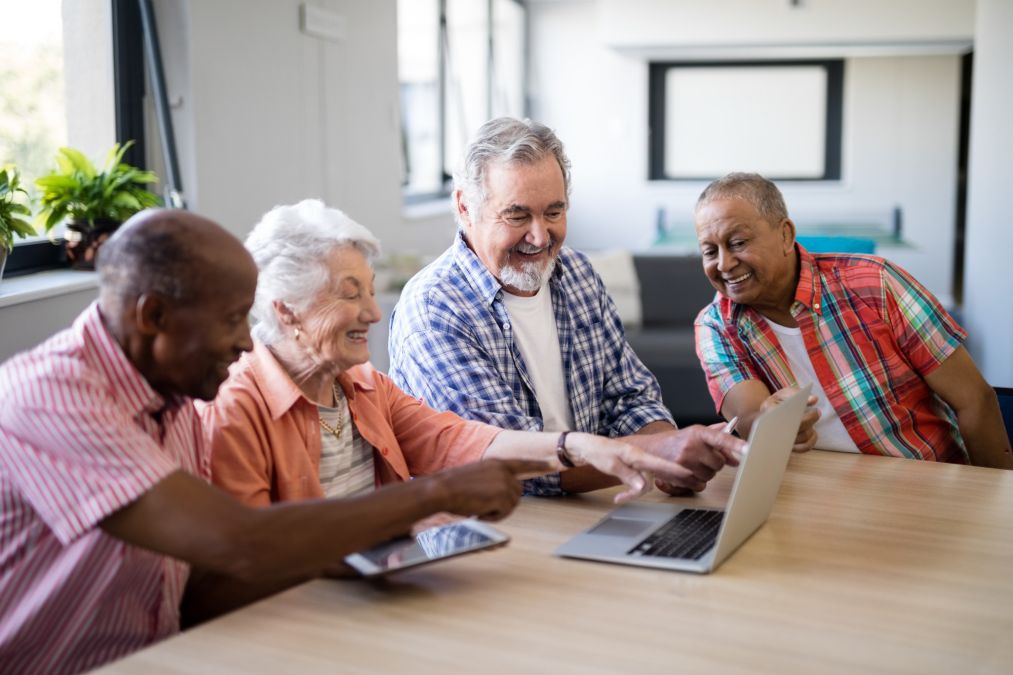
(518, 231)
(198, 339)
(336, 322)
(748, 259)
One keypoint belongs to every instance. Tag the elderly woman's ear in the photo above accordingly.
(286, 317)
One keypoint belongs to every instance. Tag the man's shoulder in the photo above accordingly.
(437, 296)
(853, 270)
(58, 363)
(716, 314)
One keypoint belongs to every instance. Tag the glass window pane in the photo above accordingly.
(508, 58)
(467, 74)
(33, 122)
(418, 76)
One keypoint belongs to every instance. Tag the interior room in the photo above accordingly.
(265, 111)
(885, 124)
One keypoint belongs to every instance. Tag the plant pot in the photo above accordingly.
(84, 240)
(3, 261)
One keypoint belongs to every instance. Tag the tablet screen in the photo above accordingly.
(432, 544)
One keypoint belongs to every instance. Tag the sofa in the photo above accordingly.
(672, 291)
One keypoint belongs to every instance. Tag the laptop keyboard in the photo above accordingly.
(688, 535)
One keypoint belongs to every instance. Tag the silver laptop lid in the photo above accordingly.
(753, 494)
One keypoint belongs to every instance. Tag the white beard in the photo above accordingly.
(529, 277)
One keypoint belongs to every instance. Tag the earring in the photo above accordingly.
(296, 333)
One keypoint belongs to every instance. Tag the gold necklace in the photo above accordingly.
(335, 431)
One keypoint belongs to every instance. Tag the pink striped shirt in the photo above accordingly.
(82, 434)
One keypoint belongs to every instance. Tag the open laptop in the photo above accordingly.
(690, 539)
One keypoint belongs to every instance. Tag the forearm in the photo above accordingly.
(211, 594)
(285, 541)
(542, 446)
(985, 434)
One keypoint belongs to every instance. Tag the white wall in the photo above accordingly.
(900, 138)
(988, 300)
(26, 324)
(270, 115)
(709, 23)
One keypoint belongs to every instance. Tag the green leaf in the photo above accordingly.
(22, 227)
(55, 216)
(127, 200)
(79, 161)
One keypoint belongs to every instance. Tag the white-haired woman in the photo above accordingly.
(305, 415)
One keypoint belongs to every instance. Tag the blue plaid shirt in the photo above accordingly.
(452, 345)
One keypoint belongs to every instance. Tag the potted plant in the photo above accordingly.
(12, 212)
(95, 202)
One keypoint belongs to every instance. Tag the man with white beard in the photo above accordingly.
(511, 328)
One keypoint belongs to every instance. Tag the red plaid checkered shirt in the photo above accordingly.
(872, 333)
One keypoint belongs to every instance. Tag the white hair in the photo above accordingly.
(505, 139)
(290, 245)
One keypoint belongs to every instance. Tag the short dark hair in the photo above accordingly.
(765, 197)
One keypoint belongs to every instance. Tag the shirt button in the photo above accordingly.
(506, 326)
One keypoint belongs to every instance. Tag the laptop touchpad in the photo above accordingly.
(622, 527)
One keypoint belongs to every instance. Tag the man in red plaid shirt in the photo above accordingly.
(887, 363)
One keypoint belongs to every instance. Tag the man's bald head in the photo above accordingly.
(171, 252)
(176, 293)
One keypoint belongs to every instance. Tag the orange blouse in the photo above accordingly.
(265, 434)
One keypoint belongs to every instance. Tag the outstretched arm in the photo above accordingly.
(264, 550)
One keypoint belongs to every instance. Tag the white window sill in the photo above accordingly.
(30, 287)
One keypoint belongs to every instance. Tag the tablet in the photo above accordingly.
(436, 543)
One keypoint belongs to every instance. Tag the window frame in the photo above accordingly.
(658, 70)
(128, 87)
(442, 84)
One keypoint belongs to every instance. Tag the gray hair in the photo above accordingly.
(505, 139)
(290, 245)
(765, 197)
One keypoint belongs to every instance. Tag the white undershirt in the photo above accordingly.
(830, 431)
(534, 330)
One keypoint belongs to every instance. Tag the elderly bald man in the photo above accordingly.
(103, 467)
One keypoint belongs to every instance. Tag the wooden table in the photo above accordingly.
(867, 564)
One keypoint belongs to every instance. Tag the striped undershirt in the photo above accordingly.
(346, 462)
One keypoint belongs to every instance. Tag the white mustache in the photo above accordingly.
(531, 248)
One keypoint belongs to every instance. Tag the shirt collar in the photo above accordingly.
(809, 290)
(478, 275)
(109, 359)
(280, 391)
(475, 272)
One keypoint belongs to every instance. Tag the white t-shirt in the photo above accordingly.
(534, 331)
(831, 434)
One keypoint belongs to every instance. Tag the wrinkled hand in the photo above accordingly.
(489, 489)
(700, 451)
(806, 438)
(633, 461)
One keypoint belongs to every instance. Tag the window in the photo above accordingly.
(33, 123)
(83, 88)
(778, 118)
(460, 63)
